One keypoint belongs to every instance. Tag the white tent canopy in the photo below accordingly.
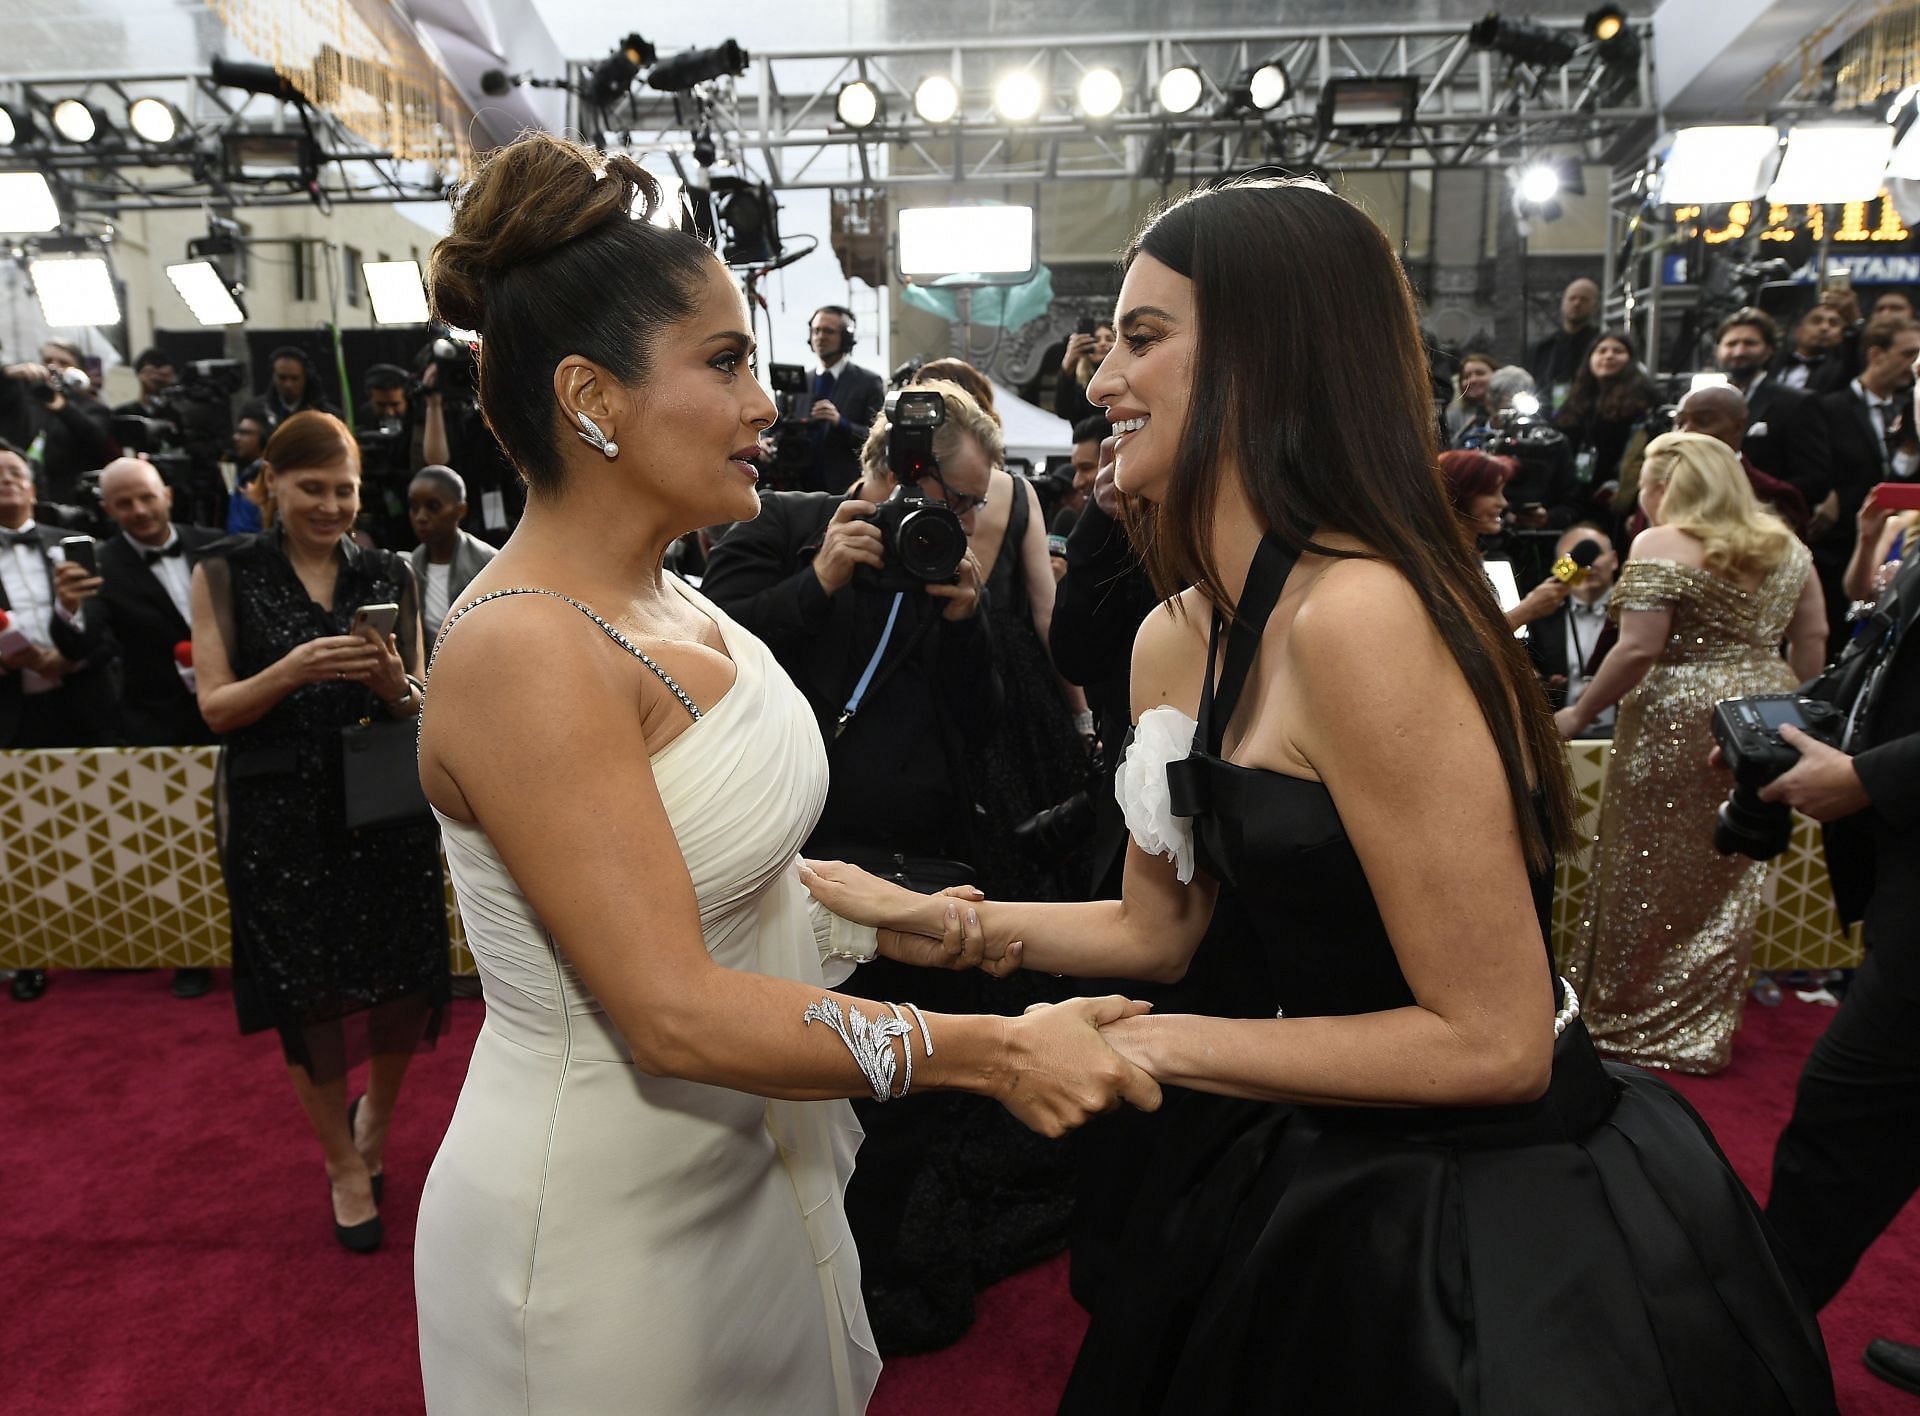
(1031, 432)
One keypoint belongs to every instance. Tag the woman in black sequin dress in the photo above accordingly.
(339, 938)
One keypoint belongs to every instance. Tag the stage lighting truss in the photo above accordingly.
(183, 141)
(1198, 103)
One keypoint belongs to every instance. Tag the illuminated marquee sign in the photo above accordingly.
(1877, 221)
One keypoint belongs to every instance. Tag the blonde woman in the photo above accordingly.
(1708, 592)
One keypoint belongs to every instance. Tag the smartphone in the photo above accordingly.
(78, 550)
(1896, 496)
(1839, 278)
(1087, 326)
(379, 619)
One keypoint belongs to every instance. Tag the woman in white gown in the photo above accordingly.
(637, 1207)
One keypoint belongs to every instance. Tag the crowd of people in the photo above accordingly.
(975, 751)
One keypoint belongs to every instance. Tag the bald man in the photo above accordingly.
(1720, 411)
(146, 571)
(1556, 360)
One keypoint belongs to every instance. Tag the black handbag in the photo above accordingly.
(380, 774)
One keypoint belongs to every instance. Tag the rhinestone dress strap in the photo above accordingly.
(615, 635)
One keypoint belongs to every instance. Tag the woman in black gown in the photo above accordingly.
(1416, 1189)
(331, 928)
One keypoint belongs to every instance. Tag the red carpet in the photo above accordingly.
(167, 1249)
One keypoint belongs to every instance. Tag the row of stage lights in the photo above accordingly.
(78, 123)
(1019, 96)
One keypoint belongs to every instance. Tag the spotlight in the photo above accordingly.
(1606, 23)
(1538, 184)
(693, 67)
(751, 221)
(153, 121)
(1524, 40)
(16, 125)
(936, 99)
(208, 293)
(396, 291)
(1017, 97)
(1525, 404)
(255, 78)
(1716, 164)
(1827, 163)
(76, 121)
(74, 290)
(1267, 86)
(1180, 89)
(614, 75)
(1368, 103)
(1101, 93)
(26, 203)
(858, 104)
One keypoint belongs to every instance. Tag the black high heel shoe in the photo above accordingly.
(353, 1108)
(361, 1238)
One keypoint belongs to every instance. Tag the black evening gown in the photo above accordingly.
(1589, 1252)
(328, 924)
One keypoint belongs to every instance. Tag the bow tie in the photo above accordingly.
(18, 538)
(154, 557)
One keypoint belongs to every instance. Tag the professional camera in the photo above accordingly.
(1748, 731)
(790, 434)
(454, 373)
(72, 382)
(923, 541)
(186, 441)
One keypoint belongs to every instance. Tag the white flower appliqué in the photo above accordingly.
(1163, 736)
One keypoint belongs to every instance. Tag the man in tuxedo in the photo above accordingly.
(1786, 432)
(846, 400)
(1816, 363)
(57, 691)
(1849, 1159)
(145, 607)
(1870, 426)
(1564, 644)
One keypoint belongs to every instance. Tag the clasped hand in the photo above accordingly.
(351, 658)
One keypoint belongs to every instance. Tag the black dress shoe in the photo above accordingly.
(361, 1238)
(191, 983)
(353, 1109)
(1894, 1363)
(27, 985)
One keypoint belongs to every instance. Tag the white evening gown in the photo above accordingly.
(593, 1240)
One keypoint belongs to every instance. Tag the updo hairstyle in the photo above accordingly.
(553, 253)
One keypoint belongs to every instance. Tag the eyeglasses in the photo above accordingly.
(956, 502)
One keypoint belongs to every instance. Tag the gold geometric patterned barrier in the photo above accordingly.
(1797, 929)
(108, 860)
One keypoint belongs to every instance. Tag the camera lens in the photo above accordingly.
(1748, 826)
(930, 544)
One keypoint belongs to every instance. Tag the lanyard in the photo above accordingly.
(866, 678)
(1580, 650)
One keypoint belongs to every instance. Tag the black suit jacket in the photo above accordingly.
(1859, 455)
(1824, 375)
(859, 394)
(88, 693)
(1787, 438)
(139, 618)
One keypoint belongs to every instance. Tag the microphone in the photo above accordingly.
(183, 663)
(1571, 569)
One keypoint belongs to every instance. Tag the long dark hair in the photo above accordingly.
(1629, 394)
(1332, 435)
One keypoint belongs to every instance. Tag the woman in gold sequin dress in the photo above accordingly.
(1708, 592)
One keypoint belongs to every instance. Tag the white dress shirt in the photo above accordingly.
(173, 572)
(1585, 624)
(436, 595)
(1882, 413)
(29, 587)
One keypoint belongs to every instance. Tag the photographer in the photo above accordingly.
(801, 576)
(56, 432)
(390, 451)
(157, 372)
(295, 388)
(454, 434)
(1545, 490)
(1850, 1157)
